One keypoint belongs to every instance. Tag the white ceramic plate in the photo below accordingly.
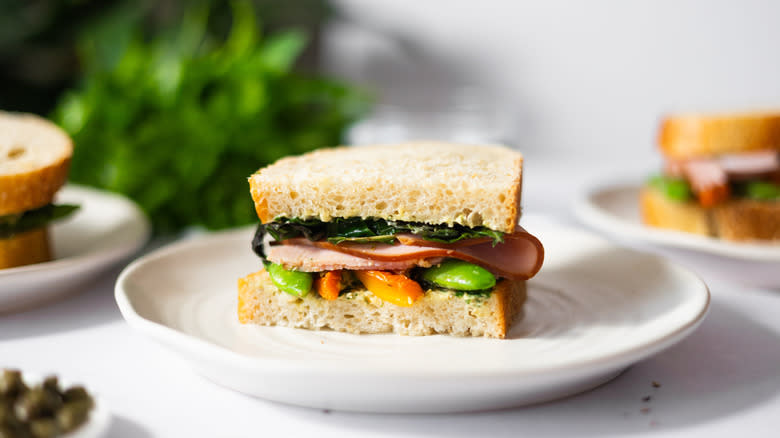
(614, 209)
(99, 417)
(106, 229)
(593, 310)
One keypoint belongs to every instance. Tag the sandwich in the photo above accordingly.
(34, 161)
(417, 239)
(721, 177)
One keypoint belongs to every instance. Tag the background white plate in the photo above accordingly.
(107, 228)
(614, 209)
(593, 310)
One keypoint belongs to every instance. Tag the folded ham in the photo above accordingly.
(709, 177)
(520, 256)
(750, 164)
(744, 165)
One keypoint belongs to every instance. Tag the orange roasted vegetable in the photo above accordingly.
(393, 288)
(328, 285)
(713, 195)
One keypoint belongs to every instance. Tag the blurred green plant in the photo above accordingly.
(179, 122)
(38, 38)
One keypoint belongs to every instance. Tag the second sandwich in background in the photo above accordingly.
(721, 176)
(417, 238)
(35, 158)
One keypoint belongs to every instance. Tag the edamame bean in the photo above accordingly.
(295, 283)
(763, 191)
(460, 275)
(674, 188)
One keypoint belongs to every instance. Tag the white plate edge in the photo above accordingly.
(111, 255)
(589, 213)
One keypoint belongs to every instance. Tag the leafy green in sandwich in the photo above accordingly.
(758, 190)
(371, 230)
(676, 189)
(13, 224)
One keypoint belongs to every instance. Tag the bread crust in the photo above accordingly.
(431, 182)
(685, 136)
(25, 249)
(745, 220)
(360, 311)
(659, 211)
(35, 158)
(736, 220)
(33, 189)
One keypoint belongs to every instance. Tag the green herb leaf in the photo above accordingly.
(11, 225)
(359, 230)
(179, 121)
(758, 190)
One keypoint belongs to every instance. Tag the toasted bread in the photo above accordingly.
(360, 311)
(659, 211)
(34, 160)
(685, 136)
(734, 220)
(431, 182)
(746, 219)
(24, 249)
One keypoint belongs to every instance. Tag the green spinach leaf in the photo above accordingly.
(372, 230)
(11, 225)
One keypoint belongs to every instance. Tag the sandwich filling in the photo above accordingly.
(714, 180)
(393, 259)
(14, 224)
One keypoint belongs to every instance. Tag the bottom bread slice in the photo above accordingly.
(659, 211)
(736, 220)
(25, 248)
(360, 311)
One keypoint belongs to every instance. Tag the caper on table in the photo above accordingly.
(45, 410)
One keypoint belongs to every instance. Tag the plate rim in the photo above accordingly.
(163, 333)
(111, 253)
(590, 212)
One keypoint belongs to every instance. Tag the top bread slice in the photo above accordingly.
(685, 136)
(34, 161)
(426, 181)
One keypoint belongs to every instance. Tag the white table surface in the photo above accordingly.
(722, 381)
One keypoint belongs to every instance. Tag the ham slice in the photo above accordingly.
(520, 256)
(709, 177)
(309, 258)
(415, 240)
(750, 164)
(708, 180)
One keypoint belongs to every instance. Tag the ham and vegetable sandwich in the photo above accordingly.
(416, 238)
(721, 176)
(34, 162)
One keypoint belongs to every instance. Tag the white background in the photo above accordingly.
(573, 77)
